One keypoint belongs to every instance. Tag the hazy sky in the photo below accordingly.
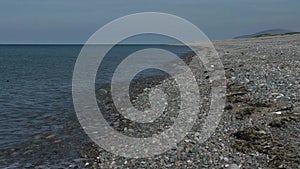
(74, 21)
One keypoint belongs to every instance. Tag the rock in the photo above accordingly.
(244, 112)
(228, 107)
(37, 137)
(102, 91)
(247, 81)
(197, 134)
(278, 112)
(50, 136)
(277, 123)
(296, 110)
(277, 95)
(131, 130)
(57, 141)
(234, 166)
(226, 159)
(187, 140)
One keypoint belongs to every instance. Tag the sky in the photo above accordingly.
(74, 21)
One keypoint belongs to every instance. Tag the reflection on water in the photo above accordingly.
(35, 87)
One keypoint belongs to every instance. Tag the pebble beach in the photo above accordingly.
(260, 125)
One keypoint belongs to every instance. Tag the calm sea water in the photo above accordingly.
(35, 86)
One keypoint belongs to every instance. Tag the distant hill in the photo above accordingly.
(270, 32)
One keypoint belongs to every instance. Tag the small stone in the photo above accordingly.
(102, 91)
(262, 132)
(57, 141)
(50, 136)
(131, 130)
(278, 95)
(178, 163)
(37, 137)
(296, 110)
(72, 166)
(278, 112)
(187, 140)
(226, 159)
(228, 107)
(247, 81)
(234, 166)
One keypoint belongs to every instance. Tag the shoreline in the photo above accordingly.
(58, 146)
(262, 115)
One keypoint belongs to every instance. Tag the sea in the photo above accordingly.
(36, 89)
